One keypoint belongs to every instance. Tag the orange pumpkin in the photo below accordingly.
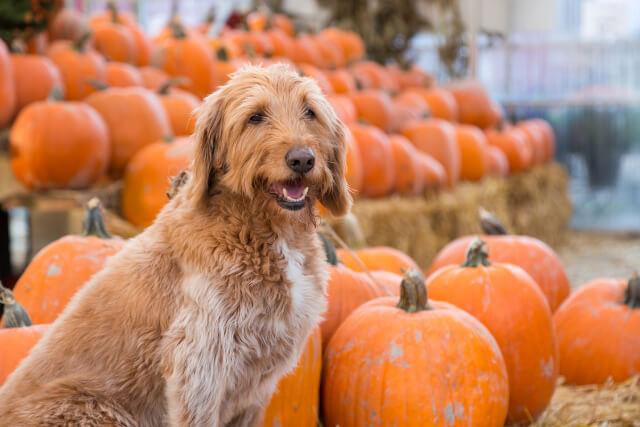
(441, 102)
(320, 78)
(378, 258)
(258, 43)
(114, 41)
(57, 144)
(413, 362)
(135, 118)
(598, 330)
(389, 280)
(153, 78)
(297, 397)
(408, 108)
(549, 138)
(284, 23)
(16, 344)
(536, 138)
(344, 108)
(411, 77)
(79, 65)
(62, 267)
(354, 172)
(475, 106)
(433, 173)
(146, 179)
(68, 24)
(498, 163)
(375, 107)
(493, 292)
(377, 159)
(351, 43)
(408, 172)
(376, 74)
(257, 21)
(121, 74)
(474, 152)
(183, 55)
(305, 51)
(437, 138)
(281, 43)
(232, 50)
(7, 87)
(34, 76)
(331, 52)
(513, 142)
(180, 106)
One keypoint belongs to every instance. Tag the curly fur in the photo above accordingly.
(195, 320)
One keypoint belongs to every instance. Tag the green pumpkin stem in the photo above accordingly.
(80, 44)
(329, 249)
(177, 29)
(113, 10)
(172, 82)
(632, 293)
(15, 316)
(93, 222)
(97, 84)
(477, 254)
(56, 94)
(490, 223)
(222, 54)
(413, 293)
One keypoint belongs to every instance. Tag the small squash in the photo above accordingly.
(378, 258)
(377, 159)
(34, 76)
(375, 107)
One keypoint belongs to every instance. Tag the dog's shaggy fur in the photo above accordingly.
(196, 319)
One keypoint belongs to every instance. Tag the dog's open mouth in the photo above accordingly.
(290, 194)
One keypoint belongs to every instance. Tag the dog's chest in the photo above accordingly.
(302, 287)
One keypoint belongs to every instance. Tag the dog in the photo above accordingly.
(196, 319)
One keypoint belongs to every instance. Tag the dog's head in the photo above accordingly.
(271, 136)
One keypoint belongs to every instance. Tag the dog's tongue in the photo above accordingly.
(294, 189)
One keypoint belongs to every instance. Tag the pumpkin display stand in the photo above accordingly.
(534, 203)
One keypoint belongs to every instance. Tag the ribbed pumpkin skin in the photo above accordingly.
(515, 146)
(528, 253)
(498, 163)
(474, 152)
(386, 367)
(58, 271)
(16, 344)
(409, 174)
(379, 258)
(147, 179)
(346, 291)
(34, 76)
(598, 336)
(507, 301)
(297, 398)
(180, 106)
(390, 280)
(135, 118)
(59, 145)
(377, 159)
(114, 41)
(121, 74)
(77, 68)
(7, 88)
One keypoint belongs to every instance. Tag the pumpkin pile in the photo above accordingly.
(408, 136)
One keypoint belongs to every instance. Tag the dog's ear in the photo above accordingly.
(206, 140)
(337, 198)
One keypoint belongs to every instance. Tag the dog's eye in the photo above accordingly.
(309, 113)
(256, 118)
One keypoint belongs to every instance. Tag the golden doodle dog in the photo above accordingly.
(195, 320)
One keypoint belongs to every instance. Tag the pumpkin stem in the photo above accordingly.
(632, 293)
(329, 249)
(177, 182)
(477, 254)
(18, 46)
(15, 316)
(93, 222)
(80, 44)
(413, 293)
(172, 82)
(98, 84)
(113, 10)
(56, 94)
(346, 247)
(490, 223)
(177, 29)
(222, 54)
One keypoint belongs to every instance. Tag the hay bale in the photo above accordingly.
(594, 405)
(535, 203)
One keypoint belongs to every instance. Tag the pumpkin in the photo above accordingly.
(355, 171)
(68, 24)
(408, 173)
(536, 138)
(57, 144)
(62, 267)
(281, 43)
(598, 330)
(331, 53)
(257, 21)
(434, 176)
(351, 43)
(121, 74)
(510, 304)
(374, 107)
(7, 87)
(437, 138)
(297, 397)
(514, 144)
(135, 118)
(231, 49)
(34, 76)
(474, 153)
(258, 44)
(114, 41)
(306, 52)
(37, 44)
(284, 23)
(180, 106)
(16, 344)
(532, 255)
(408, 108)
(320, 78)
(498, 163)
(153, 78)
(188, 56)
(410, 77)
(376, 158)
(413, 362)
(549, 138)
(389, 280)
(79, 64)
(378, 258)
(475, 107)
(376, 74)
(146, 179)
(441, 102)
(344, 108)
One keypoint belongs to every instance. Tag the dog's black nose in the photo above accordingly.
(300, 160)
